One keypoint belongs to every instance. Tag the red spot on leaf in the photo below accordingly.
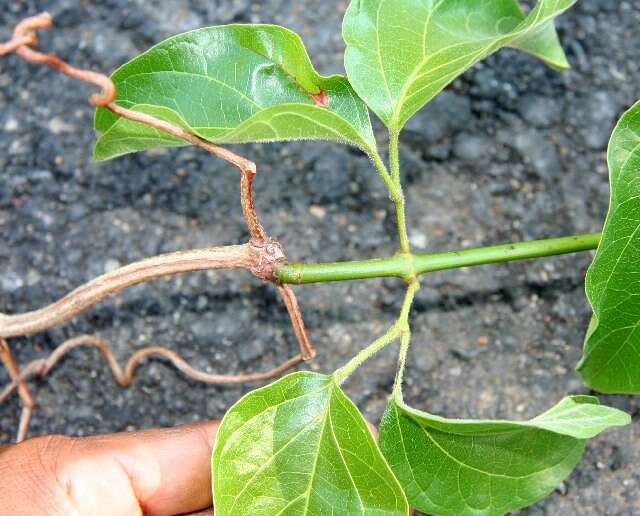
(321, 99)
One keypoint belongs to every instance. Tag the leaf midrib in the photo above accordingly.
(362, 143)
(314, 468)
(344, 462)
(478, 470)
(268, 462)
(379, 54)
(202, 76)
(498, 42)
(230, 440)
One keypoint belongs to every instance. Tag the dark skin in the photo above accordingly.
(158, 472)
(151, 472)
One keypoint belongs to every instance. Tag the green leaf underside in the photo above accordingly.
(402, 53)
(299, 446)
(473, 467)
(611, 360)
(233, 84)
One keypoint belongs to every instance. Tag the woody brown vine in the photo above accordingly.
(261, 256)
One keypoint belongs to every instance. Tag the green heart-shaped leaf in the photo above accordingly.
(299, 446)
(469, 467)
(611, 361)
(402, 53)
(232, 84)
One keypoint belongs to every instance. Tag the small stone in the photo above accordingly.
(597, 6)
(470, 148)
(538, 111)
(229, 10)
(443, 116)
(317, 211)
(157, 152)
(205, 330)
(33, 277)
(562, 489)
(10, 281)
(111, 264)
(599, 113)
(40, 175)
(486, 84)
(77, 212)
(380, 214)
(202, 303)
(538, 152)
(439, 151)
(251, 350)
(114, 44)
(455, 371)
(418, 239)
(330, 178)
(58, 126)
(11, 125)
(174, 16)
(18, 146)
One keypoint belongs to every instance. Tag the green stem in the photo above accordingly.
(398, 197)
(408, 266)
(345, 371)
(403, 237)
(400, 327)
(383, 172)
(394, 156)
(402, 360)
(405, 336)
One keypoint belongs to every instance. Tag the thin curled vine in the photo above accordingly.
(260, 256)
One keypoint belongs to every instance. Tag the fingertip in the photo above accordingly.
(169, 468)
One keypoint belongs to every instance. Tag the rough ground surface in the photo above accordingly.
(512, 151)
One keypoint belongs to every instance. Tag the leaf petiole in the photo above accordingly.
(383, 172)
(399, 329)
(392, 180)
(405, 341)
(398, 199)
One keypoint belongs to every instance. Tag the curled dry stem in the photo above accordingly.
(243, 164)
(261, 255)
(256, 230)
(123, 376)
(15, 43)
(102, 287)
(27, 29)
(28, 403)
(25, 37)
